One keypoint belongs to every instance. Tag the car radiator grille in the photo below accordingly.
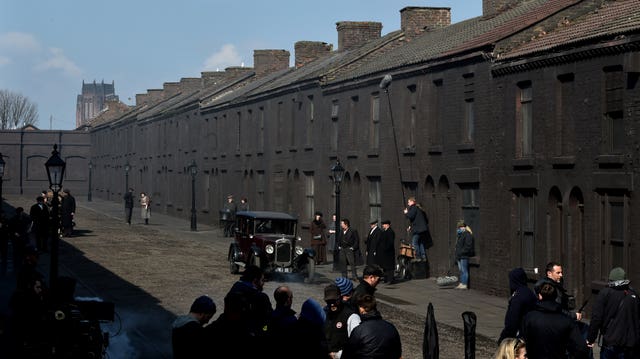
(283, 252)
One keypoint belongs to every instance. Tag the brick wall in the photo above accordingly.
(308, 51)
(268, 61)
(352, 34)
(415, 20)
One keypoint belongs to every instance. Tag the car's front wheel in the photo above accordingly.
(233, 267)
(255, 260)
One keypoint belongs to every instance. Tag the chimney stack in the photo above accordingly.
(353, 34)
(308, 51)
(416, 20)
(268, 61)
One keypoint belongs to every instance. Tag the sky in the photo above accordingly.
(48, 48)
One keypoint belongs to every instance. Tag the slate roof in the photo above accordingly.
(456, 39)
(613, 18)
(397, 51)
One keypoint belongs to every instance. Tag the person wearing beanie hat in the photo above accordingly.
(187, 334)
(616, 316)
(345, 285)
(340, 317)
(617, 274)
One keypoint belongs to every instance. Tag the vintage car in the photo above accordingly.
(269, 240)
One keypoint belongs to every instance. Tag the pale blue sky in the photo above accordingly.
(47, 48)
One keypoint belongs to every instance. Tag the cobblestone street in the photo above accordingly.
(153, 272)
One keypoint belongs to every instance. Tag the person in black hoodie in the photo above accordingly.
(521, 302)
(616, 315)
(549, 333)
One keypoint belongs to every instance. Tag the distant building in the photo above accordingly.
(93, 100)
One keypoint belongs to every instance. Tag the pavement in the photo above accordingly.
(412, 296)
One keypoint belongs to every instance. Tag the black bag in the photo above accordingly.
(426, 239)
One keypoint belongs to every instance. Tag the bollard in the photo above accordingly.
(469, 319)
(430, 346)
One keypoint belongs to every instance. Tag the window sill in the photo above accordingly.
(435, 150)
(409, 151)
(523, 163)
(465, 147)
(563, 161)
(610, 159)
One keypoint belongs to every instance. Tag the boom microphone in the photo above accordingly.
(386, 81)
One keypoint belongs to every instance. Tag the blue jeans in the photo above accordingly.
(418, 245)
(612, 352)
(463, 266)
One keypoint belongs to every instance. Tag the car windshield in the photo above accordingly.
(275, 226)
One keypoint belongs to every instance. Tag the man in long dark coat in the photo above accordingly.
(39, 213)
(386, 252)
(372, 241)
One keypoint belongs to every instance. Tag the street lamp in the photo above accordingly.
(338, 172)
(126, 176)
(193, 169)
(55, 171)
(89, 192)
(2, 163)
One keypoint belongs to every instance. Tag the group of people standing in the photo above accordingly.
(228, 213)
(145, 206)
(540, 323)
(36, 227)
(348, 326)
(379, 246)
(380, 243)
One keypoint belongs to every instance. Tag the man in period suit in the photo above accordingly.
(386, 252)
(39, 213)
(373, 238)
(349, 244)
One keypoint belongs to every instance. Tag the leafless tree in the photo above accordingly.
(16, 110)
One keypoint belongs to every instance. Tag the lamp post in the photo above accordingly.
(193, 169)
(126, 176)
(2, 163)
(338, 172)
(55, 171)
(89, 192)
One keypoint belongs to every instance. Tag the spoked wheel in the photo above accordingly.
(233, 267)
(402, 268)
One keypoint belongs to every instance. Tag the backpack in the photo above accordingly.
(625, 318)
